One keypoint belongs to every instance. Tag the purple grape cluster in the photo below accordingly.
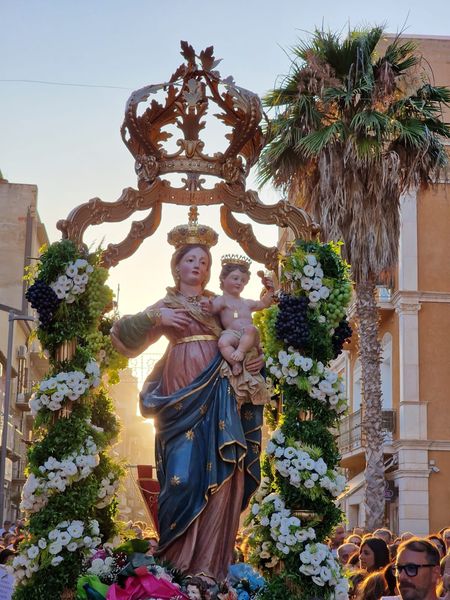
(44, 300)
(342, 334)
(291, 325)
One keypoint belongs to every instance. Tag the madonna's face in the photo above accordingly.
(193, 267)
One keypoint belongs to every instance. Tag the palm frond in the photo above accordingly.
(370, 122)
(313, 143)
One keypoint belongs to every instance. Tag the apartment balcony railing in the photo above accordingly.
(351, 435)
(13, 440)
(22, 400)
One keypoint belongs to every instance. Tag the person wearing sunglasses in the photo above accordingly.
(417, 570)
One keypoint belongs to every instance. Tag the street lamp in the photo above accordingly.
(12, 316)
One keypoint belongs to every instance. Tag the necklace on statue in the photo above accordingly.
(235, 314)
(191, 299)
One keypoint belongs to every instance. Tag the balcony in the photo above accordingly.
(22, 401)
(351, 437)
(14, 448)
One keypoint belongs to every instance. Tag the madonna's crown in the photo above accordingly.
(192, 233)
(235, 259)
(194, 89)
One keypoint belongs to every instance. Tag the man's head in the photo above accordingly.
(417, 569)
(6, 525)
(338, 536)
(345, 551)
(383, 534)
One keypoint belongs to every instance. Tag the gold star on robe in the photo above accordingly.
(175, 480)
(190, 435)
(173, 525)
(221, 425)
(203, 408)
(248, 415)
(178, 406)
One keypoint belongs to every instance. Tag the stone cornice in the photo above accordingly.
(439, 445)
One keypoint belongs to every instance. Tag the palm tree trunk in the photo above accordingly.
(370, 355)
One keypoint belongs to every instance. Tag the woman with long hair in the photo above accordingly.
(373, 554)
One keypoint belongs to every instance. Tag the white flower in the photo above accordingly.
(306, 283)
(71, 270)
(55, 548)
(321, 466)
(32, 552)
(324, 292)
(307, 364)
(76, 529)
(255, 509)
(278, 436)
(317, 284)
(72, 546)
(309, 270)
(81, 263)
(42, 543)
(64, 538)
(270, 449)
(309, 483)
(311, 259)
(57, 560)
(314, 297)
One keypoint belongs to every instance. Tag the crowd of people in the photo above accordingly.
(11, 534)
(380, 565)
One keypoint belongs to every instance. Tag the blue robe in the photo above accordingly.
(201, 439)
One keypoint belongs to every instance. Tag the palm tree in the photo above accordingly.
(351, 133)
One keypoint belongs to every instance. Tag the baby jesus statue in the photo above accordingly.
(239, 335)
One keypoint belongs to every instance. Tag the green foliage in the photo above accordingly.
(103, 415)
(92, 416)
(76, 502)
(54, 258)
(306, 423)
(51, 581)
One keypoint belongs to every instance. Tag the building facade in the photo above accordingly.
(414, 324)
(21, 236)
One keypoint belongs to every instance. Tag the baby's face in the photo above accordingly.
(235, 282)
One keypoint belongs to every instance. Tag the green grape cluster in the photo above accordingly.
(334, 308)
(99, 295)
(265, 321)
(94, 342)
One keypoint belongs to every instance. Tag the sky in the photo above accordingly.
(65, 138)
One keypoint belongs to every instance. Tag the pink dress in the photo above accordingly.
(207, 546)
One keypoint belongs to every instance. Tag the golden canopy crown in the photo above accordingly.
(192, 233)
(192, 88)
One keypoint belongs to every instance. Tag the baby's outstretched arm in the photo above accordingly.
(213, 306)
(266, 299)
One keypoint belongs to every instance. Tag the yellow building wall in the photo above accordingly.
(433, 225)
(439, 491)
(434, 375)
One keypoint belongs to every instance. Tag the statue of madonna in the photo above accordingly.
(207, 447)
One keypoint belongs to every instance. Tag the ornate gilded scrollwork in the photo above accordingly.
(194, 87)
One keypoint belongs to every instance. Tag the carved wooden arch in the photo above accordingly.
(232, 199)
(195, 88)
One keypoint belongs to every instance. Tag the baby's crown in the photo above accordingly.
(235, 259)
